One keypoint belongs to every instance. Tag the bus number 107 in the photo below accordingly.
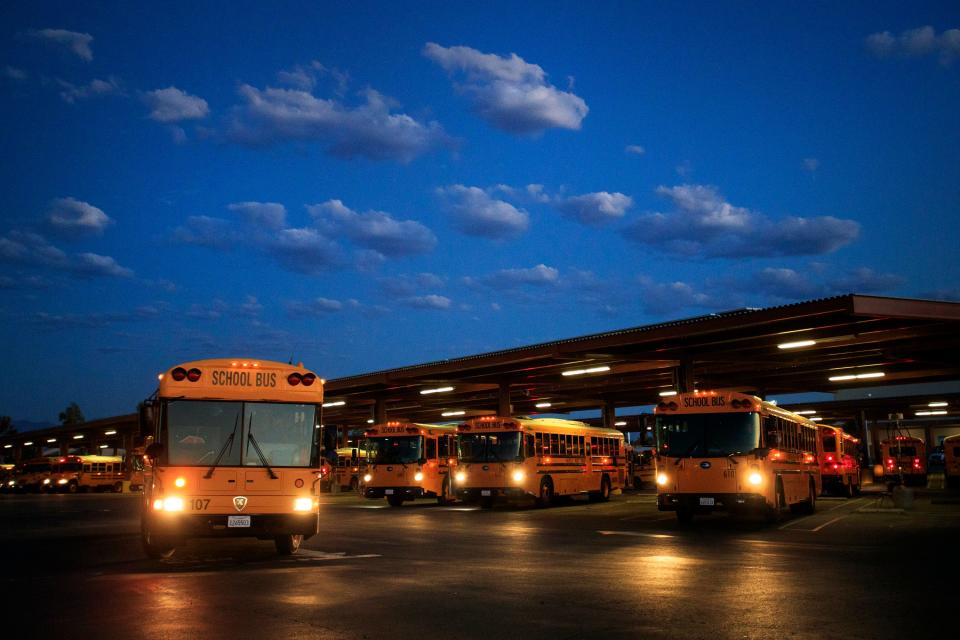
(200, 504)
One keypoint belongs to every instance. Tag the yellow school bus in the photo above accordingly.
(406, 461)
(350, 468)
(87, 473)
(235, 453)
(728, 451)
(35, 474)
(906, 457)
(503, 458)
(840, 461)
(951, 460)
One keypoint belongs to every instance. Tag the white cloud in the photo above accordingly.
(27, 248)
(917, 42)
(175, 105)
(820, 281)
(304, 250)
(272, 116)
(660, 298)
(375, 230)
(538, 276)
(594, 208)
(476, 213)
(96, 88)
(703, 223)
(405, 286)
(92, 264)
(508, 92)
(73, 41)
(635, 149)
(811, 164)
(316, 307)
(266, 215)
(71, 217)
(431, 301)
(204, 231)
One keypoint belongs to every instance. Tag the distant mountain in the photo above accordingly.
(29, 425)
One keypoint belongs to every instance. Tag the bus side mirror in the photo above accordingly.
(147, 418)
(154, 450)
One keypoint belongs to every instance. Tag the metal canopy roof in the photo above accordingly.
(908, 340)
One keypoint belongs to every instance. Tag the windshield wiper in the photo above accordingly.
(687, 452)
(256, 447)
(731, 458)
(223, 449)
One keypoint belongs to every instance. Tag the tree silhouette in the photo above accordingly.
(6, 426)
(72, 415)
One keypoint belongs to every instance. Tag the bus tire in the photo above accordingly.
(848, 489)
(395, 500)
(603, 495)
(118, 487)
(684, 515)
(72, 487)
(157, 548)
(545, 497)
(486, 502)
(288, 544)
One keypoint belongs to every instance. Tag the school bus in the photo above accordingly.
(509, 458)
(35, 475)
(235, 453)
(8, 477)
(728, 451)
(135, 468)
(904, 456)
(86, 473)
(406, 461)
(840, 461)
(350, 468)
(951, 460)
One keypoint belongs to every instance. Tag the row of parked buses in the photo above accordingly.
(69, 474)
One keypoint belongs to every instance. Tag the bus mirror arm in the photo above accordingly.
(154, 450)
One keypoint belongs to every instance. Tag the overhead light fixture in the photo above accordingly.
(797, 344)
(667, 394)
(27, 444)
(51, 440)
(857, 376)
(8, 446)
(78, 437)
(112, 432)
(580, 372)
(931, 413)
(939, 404)
(816, 418)
(620, 423)
(370, 421)
(437, 390)
(543, 405)
(104, 446)
(805, 412)
(338, 403)
(447, 414)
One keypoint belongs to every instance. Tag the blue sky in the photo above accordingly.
(362, 186)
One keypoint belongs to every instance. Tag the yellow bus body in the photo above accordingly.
(427, 476)
(87, 473)
(206, 499)
(951, 460)
(839, 461)
(906, 456)
(776, 470)
(351, 466)
(555, 458)
(36, 474)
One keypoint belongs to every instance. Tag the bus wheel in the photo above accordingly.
(156, 548)
(546, 493)
(684, 515)
(604, 494)
(118, 487)
(395, 500)
(848, 489)
(72, 487)
(486, 502)
(288, 544)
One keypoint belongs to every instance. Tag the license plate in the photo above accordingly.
(706, 502)
(388, 492)
(485, 492)
(238, 521)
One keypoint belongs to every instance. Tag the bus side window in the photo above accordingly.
(538, 444)
(443, 447)
(531, 449)
(431, 448)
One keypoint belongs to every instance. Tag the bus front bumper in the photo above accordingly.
(407, 493)
(708, 502)
(172, 525)
(472, 494)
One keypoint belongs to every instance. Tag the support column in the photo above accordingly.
(683, 376)
(504, 408)
(609, 412)
(380, 410)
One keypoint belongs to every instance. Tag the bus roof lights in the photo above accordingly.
(193, 375)
(308, 379)
(294, 379)
(580, 372)
(857, 376)
(796, 345)
(426, 392)
(178, 374)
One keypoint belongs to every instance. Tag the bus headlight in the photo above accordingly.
(461, 476)
(180, 482)
(519, 475)
(661, 479)
(46, 481)
(755, 478)
(367, 478)
(173, 503)
(302, 504)
(62, 481)
(418, 476)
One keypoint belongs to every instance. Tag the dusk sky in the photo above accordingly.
(361, 186)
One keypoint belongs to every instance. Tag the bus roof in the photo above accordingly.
(902, 439)
(721, 401)
(553, 424)
(401, 427)
(89, 458)
(241, 379)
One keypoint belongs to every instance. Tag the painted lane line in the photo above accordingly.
(635, 534)
(847, 503)
(827, 524)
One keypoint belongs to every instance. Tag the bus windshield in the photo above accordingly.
(903, 451)
(69, 466)
(398, 450)
(489, 447)
(201, 432)
(707, 434)
(830, 444)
